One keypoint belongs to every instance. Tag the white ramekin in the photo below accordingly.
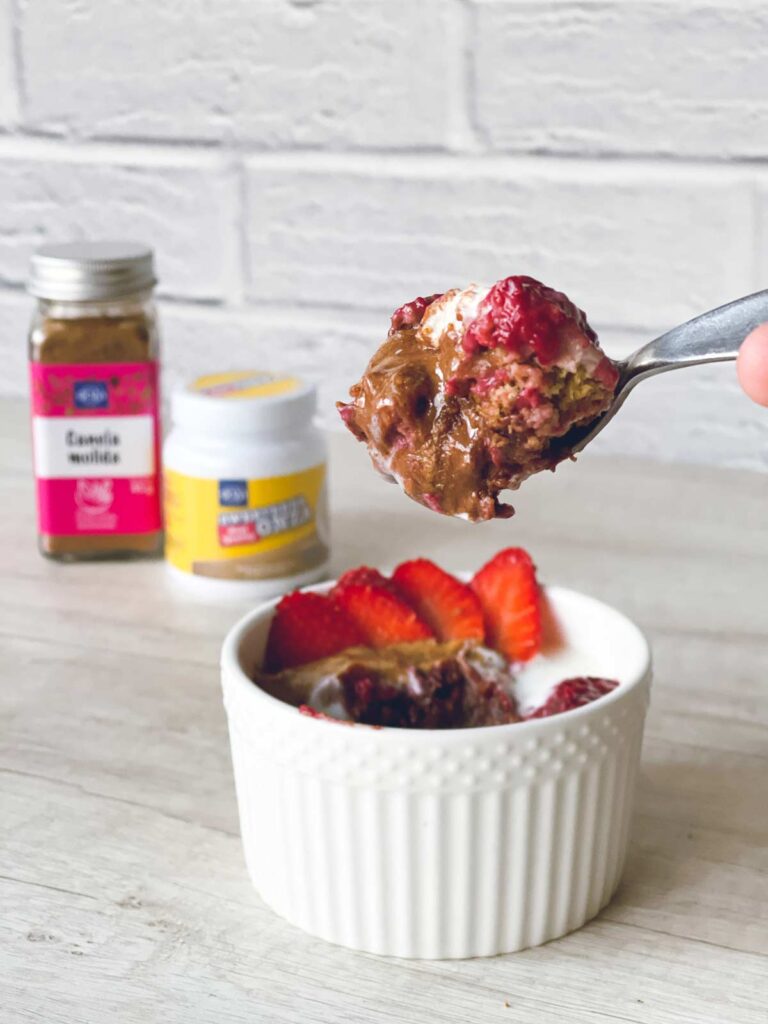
(440, 843)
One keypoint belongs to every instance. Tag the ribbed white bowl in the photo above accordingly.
(440, 843)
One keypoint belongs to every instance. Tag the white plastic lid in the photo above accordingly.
(242, 402)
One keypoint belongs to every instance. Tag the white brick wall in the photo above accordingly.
(303, 166)
(678, 79)
(635, 245)
(185, 207)
(271, 73)
(7, 85)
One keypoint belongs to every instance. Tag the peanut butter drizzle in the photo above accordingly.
(448, 448)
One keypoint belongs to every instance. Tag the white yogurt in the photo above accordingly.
(537, 678)
(453, 311)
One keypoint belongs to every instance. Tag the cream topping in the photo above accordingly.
(452, 312)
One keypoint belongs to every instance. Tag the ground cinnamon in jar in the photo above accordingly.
(93, 350)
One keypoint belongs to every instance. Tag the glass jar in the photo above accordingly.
(93, 351)
(245, 486)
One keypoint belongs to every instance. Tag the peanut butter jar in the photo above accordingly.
(245, 486)
(93, 351)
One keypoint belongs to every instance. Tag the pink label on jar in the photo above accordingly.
(233, 534)
(95, 438)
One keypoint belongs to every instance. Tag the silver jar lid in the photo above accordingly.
(88, 271)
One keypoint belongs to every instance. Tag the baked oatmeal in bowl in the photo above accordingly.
(436, 766)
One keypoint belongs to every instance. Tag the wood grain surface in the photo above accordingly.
(123, 893)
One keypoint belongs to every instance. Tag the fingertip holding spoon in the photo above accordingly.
(752, 365)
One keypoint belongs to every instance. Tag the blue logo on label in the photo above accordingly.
(233, 492)
(91, 394)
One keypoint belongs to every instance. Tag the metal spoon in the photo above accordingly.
(712, 337)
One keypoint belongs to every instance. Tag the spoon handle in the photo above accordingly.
(712, 337)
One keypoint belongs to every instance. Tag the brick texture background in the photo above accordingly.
(304, 167)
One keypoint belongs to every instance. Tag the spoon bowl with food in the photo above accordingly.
(476, 389)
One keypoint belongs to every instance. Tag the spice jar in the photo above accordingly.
(93, 349)
(245, 485)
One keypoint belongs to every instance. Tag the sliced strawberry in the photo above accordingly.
(382, 616)
(363, 574)
(450, 608)
(573, 693)
(509, 595)
(307, 627)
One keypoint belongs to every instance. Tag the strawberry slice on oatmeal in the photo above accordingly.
(420, 649)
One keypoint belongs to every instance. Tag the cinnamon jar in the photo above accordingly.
(93, 350)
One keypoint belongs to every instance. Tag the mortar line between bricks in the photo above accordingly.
(25, 143)
(191, 300)
(15, 288)
(234, 222)
(461, 126)
(288, 313)
(306, 312)
(299, 310)
(468, 24)
(758, 219)
(76, 146)
(244, 249)
(18, 290)
(484, 164)
(40, 146)
(65, 136)
(16, 56)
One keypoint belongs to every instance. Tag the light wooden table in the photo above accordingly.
(124, 896)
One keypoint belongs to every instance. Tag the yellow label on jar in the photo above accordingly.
(246, 529)
(244, 384)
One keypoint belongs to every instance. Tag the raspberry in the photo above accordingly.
(573, 693)
(412, 313)
(519, 314)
